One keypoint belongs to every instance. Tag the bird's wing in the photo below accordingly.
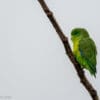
(88, 51)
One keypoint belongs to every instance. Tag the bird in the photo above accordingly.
(84, 50)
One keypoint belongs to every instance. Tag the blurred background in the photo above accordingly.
(33, 63)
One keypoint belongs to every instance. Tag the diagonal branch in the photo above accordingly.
(64, 39)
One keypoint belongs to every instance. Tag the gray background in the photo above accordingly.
(33, 63)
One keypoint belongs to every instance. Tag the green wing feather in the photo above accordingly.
(88, 53)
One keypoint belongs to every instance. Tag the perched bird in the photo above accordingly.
(84, 49)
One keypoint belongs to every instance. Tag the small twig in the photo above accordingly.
(64, 39)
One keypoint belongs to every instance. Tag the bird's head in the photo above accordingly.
(79, 33)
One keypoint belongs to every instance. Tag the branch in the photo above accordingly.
(64, 39)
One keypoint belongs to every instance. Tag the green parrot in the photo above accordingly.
(84, 49)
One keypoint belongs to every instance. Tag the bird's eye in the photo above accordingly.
(75, 32)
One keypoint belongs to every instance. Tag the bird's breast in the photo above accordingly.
(76, 47)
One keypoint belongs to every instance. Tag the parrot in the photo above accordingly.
(84, 50)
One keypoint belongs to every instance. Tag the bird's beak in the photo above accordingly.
(71, 38)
